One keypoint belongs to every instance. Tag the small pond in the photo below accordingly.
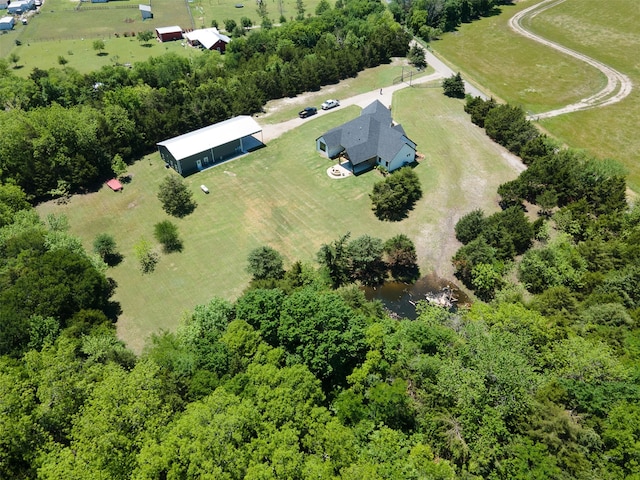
(400, 298)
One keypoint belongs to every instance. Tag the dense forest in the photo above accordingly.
(302, 377)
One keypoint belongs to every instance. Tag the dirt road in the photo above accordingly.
(618, 85)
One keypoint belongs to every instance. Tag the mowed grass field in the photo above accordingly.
(608, 32)
(68, 27)
(204, 11)
(282, 196)
(65, 19)
(62, 29)
(538, 78)
(81, 56)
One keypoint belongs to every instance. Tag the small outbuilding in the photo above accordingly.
(145, 11)
(168, 34)
(369, 140)
(21, 6)
(4, 4)
(114, 184)
(209, 38)
(208, 146)
(7, 23)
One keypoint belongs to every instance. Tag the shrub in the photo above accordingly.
(167, 234)
(176, 198)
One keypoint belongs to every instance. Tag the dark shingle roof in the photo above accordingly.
(371, 134)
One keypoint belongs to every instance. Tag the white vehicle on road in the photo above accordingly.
(330, 104)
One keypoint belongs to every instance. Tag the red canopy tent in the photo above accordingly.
(114, 184)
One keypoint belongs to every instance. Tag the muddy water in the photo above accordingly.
(401, 298)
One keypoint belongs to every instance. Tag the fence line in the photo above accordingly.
(81, 7)
(129, 34)
(186, 2)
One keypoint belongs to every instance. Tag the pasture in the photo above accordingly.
(204, 11)
(65, 19)
(281, 196)
(81, 56)
(68, 27)
(538, 78)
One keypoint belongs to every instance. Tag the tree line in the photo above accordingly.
(62, 130)
(428, 19)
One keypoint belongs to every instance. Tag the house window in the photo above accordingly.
(323, 146)
(386, 164)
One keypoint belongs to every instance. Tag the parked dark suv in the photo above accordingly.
(307, 112)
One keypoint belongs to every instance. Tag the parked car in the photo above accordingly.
(307, 112)
(330, 104)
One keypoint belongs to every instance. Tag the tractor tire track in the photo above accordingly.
(618, 86)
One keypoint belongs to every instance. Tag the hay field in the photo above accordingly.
(524, 73)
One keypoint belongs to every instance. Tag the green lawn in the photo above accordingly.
(65, 19)
(281, 196)
(81, 56)
(204, 11)
(538, 78)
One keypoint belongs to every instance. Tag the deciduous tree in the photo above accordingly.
(396, 195)
(118, 166)
(166, 233)
(99, 46)
(367, 265)
(401, 258)
(147, 258)
(177, 200)
(335, 259)
(105, 246)
(145, 36)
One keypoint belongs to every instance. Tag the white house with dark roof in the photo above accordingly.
(208, 146)
(371, 139)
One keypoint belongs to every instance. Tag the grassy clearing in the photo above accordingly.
(282, 196)
(516, 69)
(204, 11)
(60, 27)
(538, 78)
(81, 56)
(65, 19)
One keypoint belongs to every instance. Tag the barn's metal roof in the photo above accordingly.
(173, 29)
(212, 136)
(207, 37)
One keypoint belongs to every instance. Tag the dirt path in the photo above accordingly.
(618, 85)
